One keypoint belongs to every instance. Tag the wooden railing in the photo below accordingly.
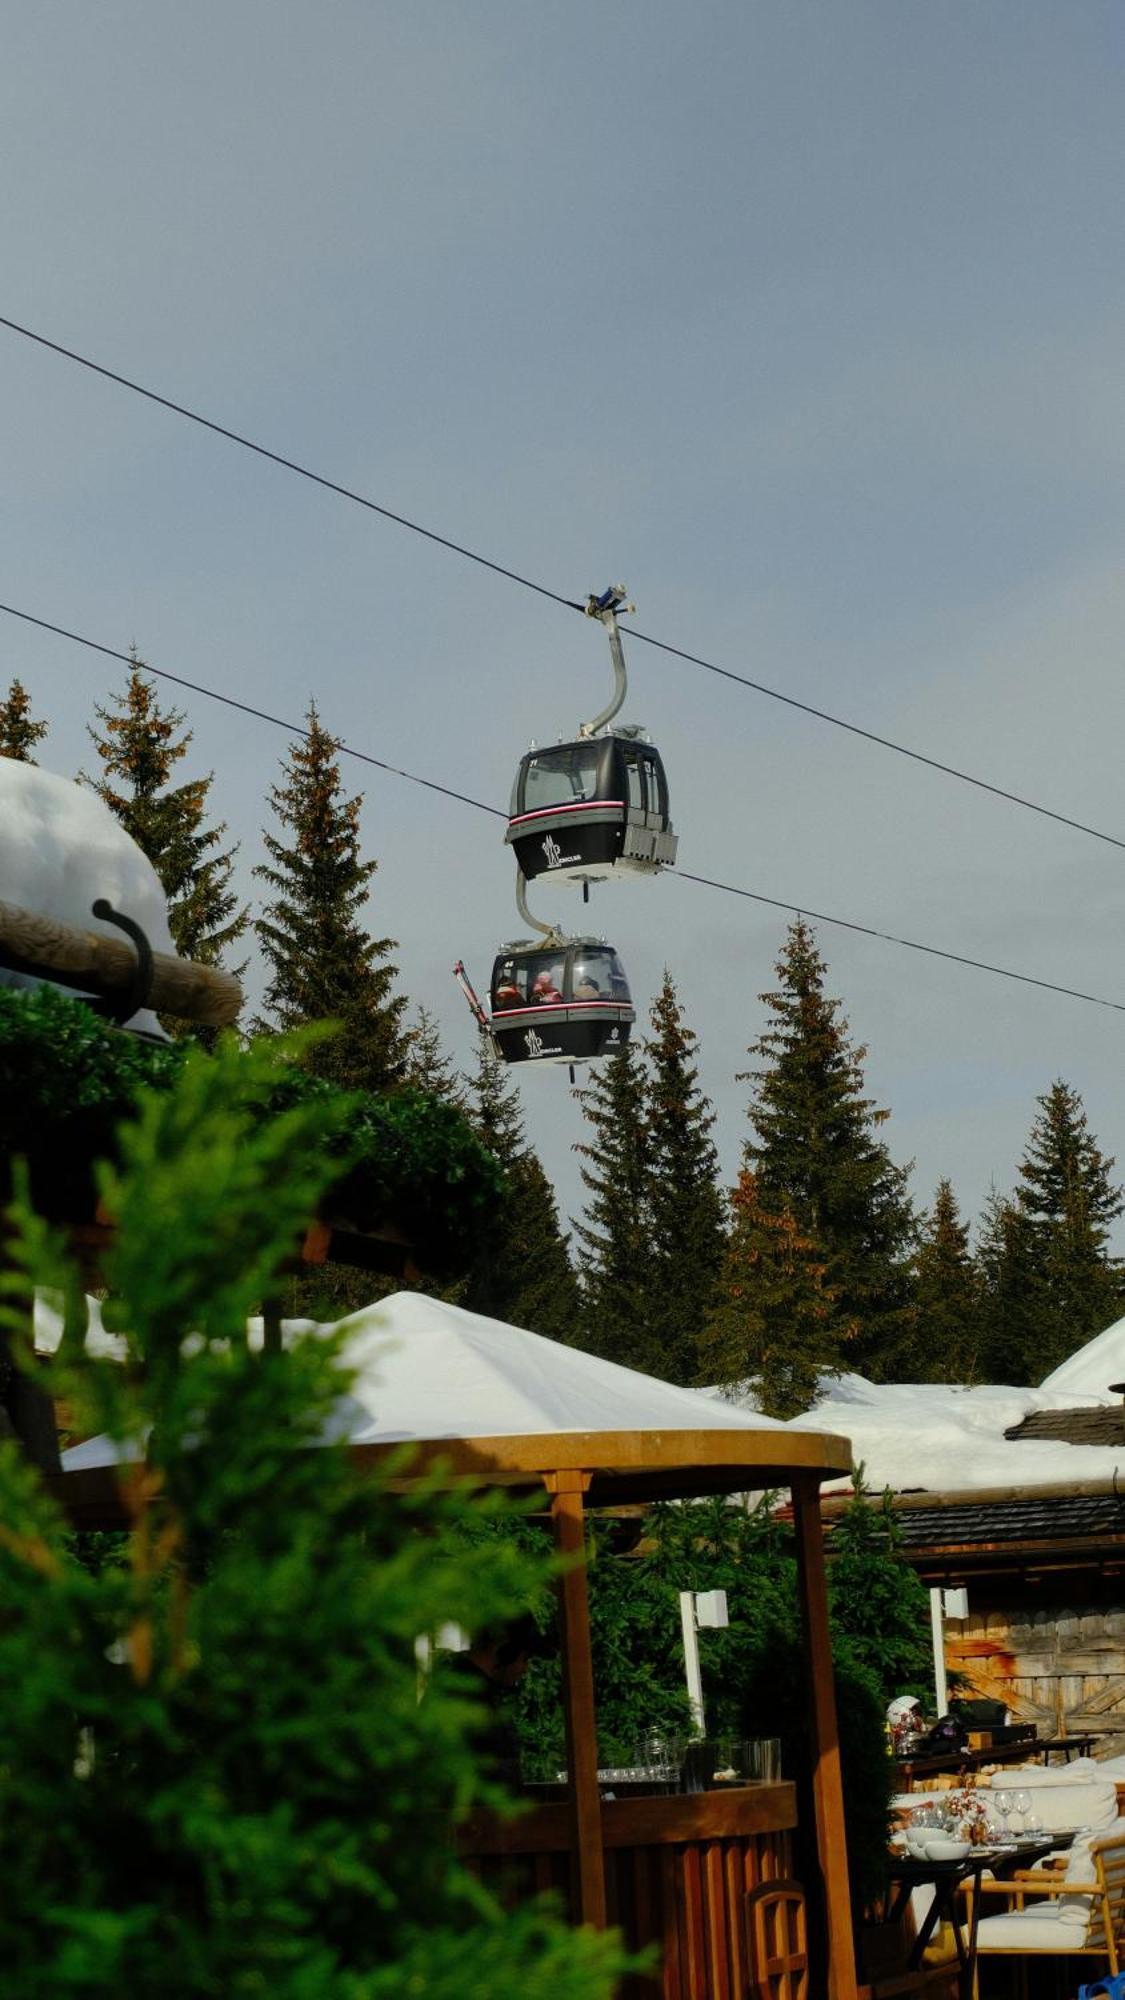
(677, 1873)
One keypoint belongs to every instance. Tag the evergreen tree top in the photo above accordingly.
(324, 964)
(1063, 1171)
(815, 1150)
(19, 734)
(140, 746)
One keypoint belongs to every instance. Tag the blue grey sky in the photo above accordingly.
(805, 321)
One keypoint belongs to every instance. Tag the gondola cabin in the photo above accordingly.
(566, 1002)
(591, 810)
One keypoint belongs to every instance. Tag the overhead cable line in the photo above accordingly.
(556, 597)
(495, 812)
(908, 944)
(247, 708)
(288, 464)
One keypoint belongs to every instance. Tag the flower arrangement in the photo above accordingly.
(967, 1811)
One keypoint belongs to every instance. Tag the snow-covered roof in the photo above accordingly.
(1089, 1372)
(425, 1370)
(941, 1438)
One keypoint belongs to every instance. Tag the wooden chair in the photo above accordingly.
(777, 1948)
(777, 1941)
(1083, 1915)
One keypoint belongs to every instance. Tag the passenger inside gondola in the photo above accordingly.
(545, 990)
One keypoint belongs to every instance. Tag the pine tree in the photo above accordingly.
(615, 1234)
(139, 752)
(427, 1067)
(323, 964)
(685, 1206)
(523, 1273)
(815, 1151)
(773, 1328)
(947, 1294)
(1069, 1200)
(18, 733)
(1012, 1294)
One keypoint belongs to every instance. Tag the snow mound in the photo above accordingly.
(62, 849)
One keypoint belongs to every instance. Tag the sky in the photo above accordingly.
(804, 322)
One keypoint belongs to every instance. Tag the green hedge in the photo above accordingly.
(68, 1079)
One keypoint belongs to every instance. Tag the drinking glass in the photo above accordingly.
(1022, 1803)
(1004, 1803)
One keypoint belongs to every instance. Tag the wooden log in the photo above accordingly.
(105, 964)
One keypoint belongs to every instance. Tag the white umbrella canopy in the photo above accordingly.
(427, 1370)
(424, 1371)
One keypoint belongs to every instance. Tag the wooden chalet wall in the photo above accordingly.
(1061, 1668)
(1044, 1568)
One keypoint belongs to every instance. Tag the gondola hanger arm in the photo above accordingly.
(549, 932)
(605, 609)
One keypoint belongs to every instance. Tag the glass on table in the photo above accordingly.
(1004, 1803)
(1021, 1806)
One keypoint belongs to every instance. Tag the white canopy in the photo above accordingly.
(426, 1370)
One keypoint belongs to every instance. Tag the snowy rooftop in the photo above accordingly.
(942, 1438)
(426, 1370)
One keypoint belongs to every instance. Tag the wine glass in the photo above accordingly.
(1022, 1804)
(1004, 1803)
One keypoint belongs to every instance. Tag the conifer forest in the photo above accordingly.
(822, 1257)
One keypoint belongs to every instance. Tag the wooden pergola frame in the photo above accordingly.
(581, 1471)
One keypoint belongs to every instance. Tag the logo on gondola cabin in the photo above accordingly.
(613, 1034)
(552, 850)
(534, 1045)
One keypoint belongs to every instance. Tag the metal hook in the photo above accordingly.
(136, 994)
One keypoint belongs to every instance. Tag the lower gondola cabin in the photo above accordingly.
(561, 1002)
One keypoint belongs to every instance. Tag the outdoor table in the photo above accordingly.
(945, 1879)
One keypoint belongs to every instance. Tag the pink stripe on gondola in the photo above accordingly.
(545, 1009)
(584, 805)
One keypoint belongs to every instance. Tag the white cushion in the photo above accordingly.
(1029, 1930)
(1061, 1808)
(1078, 1772)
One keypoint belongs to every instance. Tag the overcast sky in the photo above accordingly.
(804, 321)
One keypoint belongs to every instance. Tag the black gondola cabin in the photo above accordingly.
(565, 1002)
(591, 809)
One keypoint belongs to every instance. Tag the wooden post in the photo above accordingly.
(828, 1791)
(566, 1490)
